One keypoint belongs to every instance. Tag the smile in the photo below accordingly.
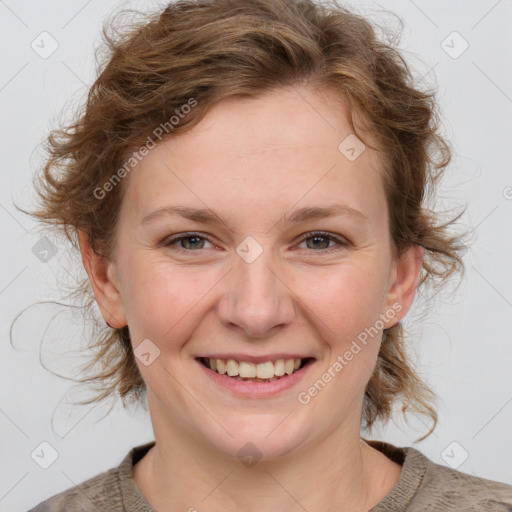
(255, 379)
(266, 371)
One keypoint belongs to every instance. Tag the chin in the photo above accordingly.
(256, 436)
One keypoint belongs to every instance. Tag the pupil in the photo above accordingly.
(319, 238)
(187, 240)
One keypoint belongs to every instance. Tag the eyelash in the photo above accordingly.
(313, 234)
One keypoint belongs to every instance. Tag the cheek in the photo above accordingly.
(162, 300)
(166, 303)
(345, 301)
(345, 310)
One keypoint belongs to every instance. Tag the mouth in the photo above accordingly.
(263, 372)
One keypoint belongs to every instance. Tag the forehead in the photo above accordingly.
(271, 150)
(286, 117)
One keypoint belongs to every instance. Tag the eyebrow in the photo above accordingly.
(208, 216)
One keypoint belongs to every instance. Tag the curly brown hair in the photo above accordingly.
(212, 50)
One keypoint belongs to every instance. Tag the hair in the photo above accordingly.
(201, 52)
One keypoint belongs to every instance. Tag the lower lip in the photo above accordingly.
(256, 389)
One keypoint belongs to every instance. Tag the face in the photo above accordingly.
(295, 261)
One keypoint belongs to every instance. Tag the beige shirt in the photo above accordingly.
(423, 486)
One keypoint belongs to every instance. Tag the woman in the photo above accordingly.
(246, 187)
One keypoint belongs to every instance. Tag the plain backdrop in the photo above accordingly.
(463, 347)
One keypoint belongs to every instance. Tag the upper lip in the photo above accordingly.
(256, 359)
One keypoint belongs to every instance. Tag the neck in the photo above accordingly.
(342, 473)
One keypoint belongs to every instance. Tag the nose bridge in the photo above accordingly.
(256, 300)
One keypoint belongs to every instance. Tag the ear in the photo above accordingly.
(404, 280)
(102, 275)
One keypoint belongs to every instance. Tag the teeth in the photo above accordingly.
(288, 366)
(221, 366)
(232, 368)
(265, 370)
(279, 368)
(246, 370)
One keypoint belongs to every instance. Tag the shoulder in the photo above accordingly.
(446, 487)
(425, 485)
(105, 491)
(97, 492)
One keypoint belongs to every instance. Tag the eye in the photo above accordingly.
(186, 242)
(321, 239)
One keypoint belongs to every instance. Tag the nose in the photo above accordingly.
(256, 298)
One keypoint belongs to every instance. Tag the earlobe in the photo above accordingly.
(404, 283)
(106, 290)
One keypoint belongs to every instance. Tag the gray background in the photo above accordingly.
(463, 347)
